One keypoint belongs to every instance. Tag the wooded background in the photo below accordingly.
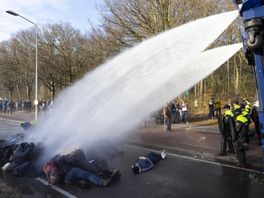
(65, 54)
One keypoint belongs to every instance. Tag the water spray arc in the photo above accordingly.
(115, 97)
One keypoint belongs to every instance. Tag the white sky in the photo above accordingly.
(76, 12)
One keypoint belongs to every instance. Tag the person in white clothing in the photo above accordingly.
(185, 112)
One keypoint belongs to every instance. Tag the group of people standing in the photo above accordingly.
(174, 112)
(13, 105)
(234, 128)
(214, 108)
(8, 106)
(44, 105)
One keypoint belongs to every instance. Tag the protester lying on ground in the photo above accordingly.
(74, 168)
(11, 140)
(28, 125)
(25, 125)
(8, 145)
(6, 151)
(20, 161)
(147, 162)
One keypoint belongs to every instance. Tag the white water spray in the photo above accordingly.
(109, 101)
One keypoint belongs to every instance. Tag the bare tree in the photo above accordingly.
(130, 21)
(25, 58)
(9, 72)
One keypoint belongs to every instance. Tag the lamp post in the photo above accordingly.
(36, 72)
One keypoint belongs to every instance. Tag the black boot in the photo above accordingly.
(241, 156)
(223, 147)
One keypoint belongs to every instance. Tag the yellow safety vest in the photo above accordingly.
(245, 113)
(236, 106)
(248, 103)
(229, 112)
(241, 118)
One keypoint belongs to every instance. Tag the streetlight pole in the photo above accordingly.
(36, 72)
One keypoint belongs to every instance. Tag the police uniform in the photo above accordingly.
(227, 132)
(236, 110)
(255, 119)
(246, 114)
(241, 136)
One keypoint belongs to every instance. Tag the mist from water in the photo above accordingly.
(114, 98)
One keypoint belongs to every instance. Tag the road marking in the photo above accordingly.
(175, 142)
(12, 122)
(56, 188)
(199, 160)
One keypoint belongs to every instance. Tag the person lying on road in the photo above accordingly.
(147, 162)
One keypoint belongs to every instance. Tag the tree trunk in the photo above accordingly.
(228, 75)
(53, 92)
(18, 92)
(201, 88)
(195, 90)
(28, 93)
(205, 86)
(10, 93)
(236, 75)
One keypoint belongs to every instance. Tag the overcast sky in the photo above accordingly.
(76, 12)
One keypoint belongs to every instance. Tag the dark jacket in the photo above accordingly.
(23, 152)
(144, 163)
(254, 114)
(76, 159)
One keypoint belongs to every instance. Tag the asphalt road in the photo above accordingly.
(173, 177)
(8, 128)
(178, 177)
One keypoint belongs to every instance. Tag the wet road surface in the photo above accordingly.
(172, 177)
(177, 177)
(8, 128)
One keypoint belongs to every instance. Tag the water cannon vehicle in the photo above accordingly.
(252, 34)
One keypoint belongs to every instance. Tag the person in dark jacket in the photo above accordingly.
(11, 105)
(25, 125)
(236, 109)
(6, 150)
(145, 163)
(8, 146)
(255, 119)
(240, 141)
(245, 113)
(20, 161)
(75, 168)
(227, 130)
(211, 106)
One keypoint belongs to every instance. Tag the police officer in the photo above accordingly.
(240, 141)
(245, 113)
(236, 109)
(255, 119)
(247, 103)
(227, 130)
